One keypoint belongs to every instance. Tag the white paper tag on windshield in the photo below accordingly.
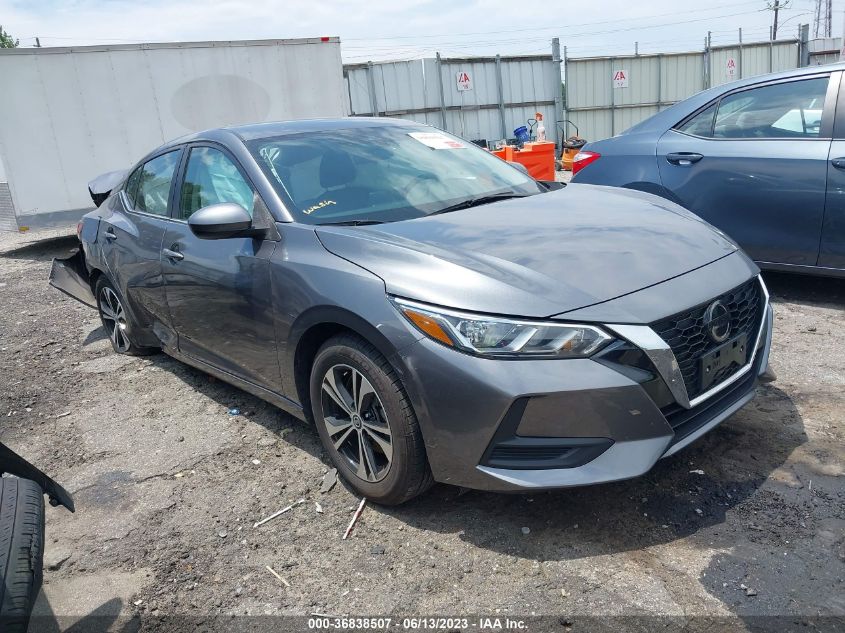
(436, 140)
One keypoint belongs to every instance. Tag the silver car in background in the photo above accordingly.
(437, 314)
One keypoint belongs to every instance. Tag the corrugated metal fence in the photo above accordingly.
(824, 50)
(606, 95)
(501, 95)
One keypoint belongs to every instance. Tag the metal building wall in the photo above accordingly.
(8, 222)
(598, 109)
(506, 92)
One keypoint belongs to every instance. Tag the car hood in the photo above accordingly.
(536, 256)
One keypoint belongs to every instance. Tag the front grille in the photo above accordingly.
(686, 335)
(685, 422)
(537, 453)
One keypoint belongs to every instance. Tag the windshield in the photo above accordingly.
(382, 174)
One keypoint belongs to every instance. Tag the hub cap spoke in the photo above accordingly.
(337, 393)
(356, 422)
(114, 319)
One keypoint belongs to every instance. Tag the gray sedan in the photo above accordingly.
(763, 159)
(437, 314)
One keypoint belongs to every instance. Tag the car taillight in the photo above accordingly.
(582, 159)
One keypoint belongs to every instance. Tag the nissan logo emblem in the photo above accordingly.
(717, 321)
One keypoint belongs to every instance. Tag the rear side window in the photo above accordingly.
(148, 188)
(211, 178)
(131, 188)
(786, 110)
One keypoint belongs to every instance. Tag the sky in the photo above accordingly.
(404, 29)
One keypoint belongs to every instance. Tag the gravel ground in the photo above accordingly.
(747, 522)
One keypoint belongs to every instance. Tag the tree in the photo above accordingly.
(6, 40)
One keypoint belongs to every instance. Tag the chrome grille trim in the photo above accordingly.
(664, 360)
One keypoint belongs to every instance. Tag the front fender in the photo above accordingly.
(389, 336)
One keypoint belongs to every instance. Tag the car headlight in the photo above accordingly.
(503, 337)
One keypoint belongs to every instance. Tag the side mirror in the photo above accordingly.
(221, 221)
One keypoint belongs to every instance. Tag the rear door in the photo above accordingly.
(131, 237)
(754, 163)
(832, 250)
(219, 291)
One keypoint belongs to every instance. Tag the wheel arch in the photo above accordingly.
(311, 330)
(94, 276)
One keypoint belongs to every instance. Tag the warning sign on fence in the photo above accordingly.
(620, 78)
(464, 81)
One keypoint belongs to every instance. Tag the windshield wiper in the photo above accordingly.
(479, 200)
(351, 223)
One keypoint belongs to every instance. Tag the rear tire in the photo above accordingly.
(116, 320)
(380, 430)
(21, 551)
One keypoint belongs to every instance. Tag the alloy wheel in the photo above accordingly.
(114, 319)
(356, 422)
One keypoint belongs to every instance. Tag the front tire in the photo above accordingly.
(366, 422)
(116, 320)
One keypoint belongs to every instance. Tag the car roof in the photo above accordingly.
(271, 129)
(671, 115)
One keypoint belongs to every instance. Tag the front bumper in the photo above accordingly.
(598, 424)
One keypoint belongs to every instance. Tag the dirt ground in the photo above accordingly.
(748, 522)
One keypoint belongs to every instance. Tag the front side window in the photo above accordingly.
(148, 187)
(701, 124)
(212, 178)
(382, 173)
(786, 110)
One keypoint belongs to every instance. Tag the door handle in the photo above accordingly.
(839, 163)
(172, 254)
(683, 158)
(110, 235)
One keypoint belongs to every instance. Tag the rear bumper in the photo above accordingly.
(70, 275)
(14, 464)
(599, 424)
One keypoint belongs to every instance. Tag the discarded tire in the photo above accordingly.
(21, 551)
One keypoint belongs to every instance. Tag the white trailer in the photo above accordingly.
(68, 115)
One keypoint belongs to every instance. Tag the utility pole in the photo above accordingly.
(775, 7)
(828, 20)
(823, 18)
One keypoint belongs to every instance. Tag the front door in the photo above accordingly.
(754, 164)
(219, 291)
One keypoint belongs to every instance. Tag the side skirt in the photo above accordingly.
(817, 271)
(285, 404)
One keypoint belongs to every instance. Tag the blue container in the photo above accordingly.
(521, 134)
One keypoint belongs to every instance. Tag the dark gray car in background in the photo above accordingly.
(763, 159)
(435, 312)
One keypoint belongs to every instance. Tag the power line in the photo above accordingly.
(559, 27)
(563, 36)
